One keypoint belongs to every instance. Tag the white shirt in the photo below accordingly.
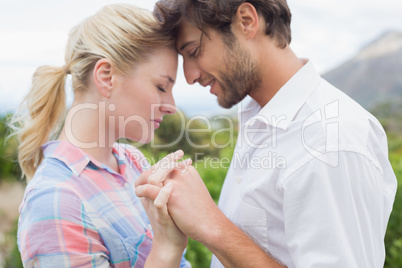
(310, 180)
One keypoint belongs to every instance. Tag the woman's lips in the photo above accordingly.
(157, 123)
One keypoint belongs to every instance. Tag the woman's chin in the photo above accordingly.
(143, 140)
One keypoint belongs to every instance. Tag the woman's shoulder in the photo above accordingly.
(51, 172)
(51, 178)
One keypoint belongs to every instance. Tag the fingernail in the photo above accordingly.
(169, 185)
(188, 161)
(179, 152)
(138, 191)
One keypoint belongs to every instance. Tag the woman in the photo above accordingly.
(79, 208)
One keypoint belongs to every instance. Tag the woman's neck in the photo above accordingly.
(86, 127)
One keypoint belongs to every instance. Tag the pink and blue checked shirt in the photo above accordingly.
(77, 212)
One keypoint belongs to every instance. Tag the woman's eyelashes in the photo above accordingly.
(161, 89)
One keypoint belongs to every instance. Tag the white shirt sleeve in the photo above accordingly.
(335, 216)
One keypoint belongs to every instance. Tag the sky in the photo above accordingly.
(328, 32)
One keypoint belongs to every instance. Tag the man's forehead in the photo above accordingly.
(187, 33)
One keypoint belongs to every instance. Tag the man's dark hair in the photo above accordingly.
(219, 13)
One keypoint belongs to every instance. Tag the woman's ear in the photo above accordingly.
(103, 74)
(247, 20)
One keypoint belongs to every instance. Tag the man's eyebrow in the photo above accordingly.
(191, 42)
(171, 80)
(185, 45)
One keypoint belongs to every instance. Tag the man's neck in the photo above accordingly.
(276, 67)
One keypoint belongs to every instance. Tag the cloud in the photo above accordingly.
(20, 55)
(32, 47)
(14, 85)
(331, 31)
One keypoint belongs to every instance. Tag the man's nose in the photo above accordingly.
(192, 71)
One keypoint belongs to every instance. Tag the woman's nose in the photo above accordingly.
(168, 106)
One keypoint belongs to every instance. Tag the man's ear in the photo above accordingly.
(102, 75)
(246, 20)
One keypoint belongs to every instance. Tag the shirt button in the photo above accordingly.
(126, 185)
(239, 179)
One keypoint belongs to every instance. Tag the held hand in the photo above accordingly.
(191, 205)
(166, 234)
(196, 214)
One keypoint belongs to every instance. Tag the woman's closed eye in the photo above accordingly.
(161, 89)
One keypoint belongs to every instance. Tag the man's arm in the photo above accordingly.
(233, 248)
(197, 215)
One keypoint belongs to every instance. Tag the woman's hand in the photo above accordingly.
(168, 241)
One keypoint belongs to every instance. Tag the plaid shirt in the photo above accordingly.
(77, 212)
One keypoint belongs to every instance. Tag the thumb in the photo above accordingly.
(147, 190)
(163, 196)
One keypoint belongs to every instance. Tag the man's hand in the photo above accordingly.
(195, 214)
(190, 203)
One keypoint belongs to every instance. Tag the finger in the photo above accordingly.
(172, 157)
(161, 169)
(148, 191)
(163, 197)
(184, 164)
(143, 178)
(159, 175)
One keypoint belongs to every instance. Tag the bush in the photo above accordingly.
(13, 260)
(393, 237)
(8, 153)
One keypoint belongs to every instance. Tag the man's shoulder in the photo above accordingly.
(331, 122)
(337, 112)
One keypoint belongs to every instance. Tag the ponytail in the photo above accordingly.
(40, 116)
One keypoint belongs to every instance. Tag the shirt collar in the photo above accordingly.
(75, 159)
(283, 107)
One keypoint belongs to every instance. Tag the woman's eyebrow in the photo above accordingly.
(171, 80)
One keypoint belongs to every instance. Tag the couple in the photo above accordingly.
(327, 207)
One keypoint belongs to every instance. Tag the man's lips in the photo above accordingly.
(212, 85)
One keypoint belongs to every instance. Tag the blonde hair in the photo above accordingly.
(122, 33)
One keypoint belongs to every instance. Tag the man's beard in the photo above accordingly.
(240, 76)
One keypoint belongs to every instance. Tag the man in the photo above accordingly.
(310, 184)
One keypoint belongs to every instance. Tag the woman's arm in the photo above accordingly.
(54, 231)
(169, 242)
